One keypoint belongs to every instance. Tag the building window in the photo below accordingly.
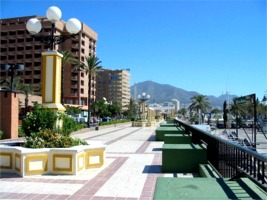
(83, 102)
(82, 82)
(20, 48)
(3, 73)
(73, 91)
(11, 57)
(28, 72)
(69, 101)
(19, 56)
(82, 91)
(28, 81)
(28, 56)
(20, 40)
(37, 55)
(36, 81)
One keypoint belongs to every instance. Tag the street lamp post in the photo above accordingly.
(143, 98)
(51, 60)
(12, 69)
(54, 14)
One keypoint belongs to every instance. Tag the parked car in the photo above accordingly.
(79, 118)
(106, 119)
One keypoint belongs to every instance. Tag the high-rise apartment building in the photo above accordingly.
(114, 85)
(19, 47)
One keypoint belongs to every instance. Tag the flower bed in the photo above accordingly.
(72, 161)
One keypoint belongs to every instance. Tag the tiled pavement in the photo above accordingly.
(133, 161)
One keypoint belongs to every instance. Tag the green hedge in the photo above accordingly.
(114, 122)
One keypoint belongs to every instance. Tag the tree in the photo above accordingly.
(91, 65)
(225, 118)
(182, 112)
(199, 104)
(27, 90)
(100, 108)
(6, 84)
(114, 108)
(67, 58)
(132, 110)
(73, 110)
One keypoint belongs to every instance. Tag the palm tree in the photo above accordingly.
(91, 65)
(6, 84)
(182, 112)
(199, 104)
(67, 58)
(27, 90)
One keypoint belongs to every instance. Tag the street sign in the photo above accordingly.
(249, 99)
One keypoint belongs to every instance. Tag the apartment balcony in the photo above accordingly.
(30, 51)
(12, 45)
(37, 67)
(12, 37)
(4, 45)
(75, 86)
(20, 36)
(75, 46)
(74, 78)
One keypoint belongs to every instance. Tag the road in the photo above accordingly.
(261, 139)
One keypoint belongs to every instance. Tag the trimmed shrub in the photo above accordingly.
(114, 122)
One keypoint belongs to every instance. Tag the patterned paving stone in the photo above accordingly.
(133, 163)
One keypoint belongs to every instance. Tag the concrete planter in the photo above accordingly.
(71, 161)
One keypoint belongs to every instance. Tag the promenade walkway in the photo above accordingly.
(133, 162)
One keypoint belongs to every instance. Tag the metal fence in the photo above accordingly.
(230, 159)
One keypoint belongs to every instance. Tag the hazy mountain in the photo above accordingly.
(160, 93)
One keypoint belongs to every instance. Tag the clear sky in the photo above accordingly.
(207, 46)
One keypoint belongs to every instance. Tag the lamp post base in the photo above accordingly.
(143, 124)
(55, 106)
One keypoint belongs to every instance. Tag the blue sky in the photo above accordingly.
(207, 46)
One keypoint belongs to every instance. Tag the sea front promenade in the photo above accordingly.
(132, 165)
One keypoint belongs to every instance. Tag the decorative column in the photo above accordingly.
(51, 80)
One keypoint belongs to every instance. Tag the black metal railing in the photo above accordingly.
(230, 159)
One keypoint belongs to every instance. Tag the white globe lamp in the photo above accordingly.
(53, 13)
(34, 26)
(73, 26)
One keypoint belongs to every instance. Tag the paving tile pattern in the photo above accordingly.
(133, 163)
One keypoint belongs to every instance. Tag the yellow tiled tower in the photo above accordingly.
(51, 76)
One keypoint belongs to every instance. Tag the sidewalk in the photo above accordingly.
(133, 163)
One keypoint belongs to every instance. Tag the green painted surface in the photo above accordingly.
(183, 158)
(177, 139)
(168, 125)
(206, 188)
(206, 171)
(161, 131)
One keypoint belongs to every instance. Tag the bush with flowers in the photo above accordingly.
(50, 139)
(40, 129)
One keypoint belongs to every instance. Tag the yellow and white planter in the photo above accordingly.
(74, 160)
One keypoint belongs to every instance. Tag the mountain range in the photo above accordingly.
(160, 93)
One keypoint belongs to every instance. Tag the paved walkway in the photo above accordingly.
(133, 162)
